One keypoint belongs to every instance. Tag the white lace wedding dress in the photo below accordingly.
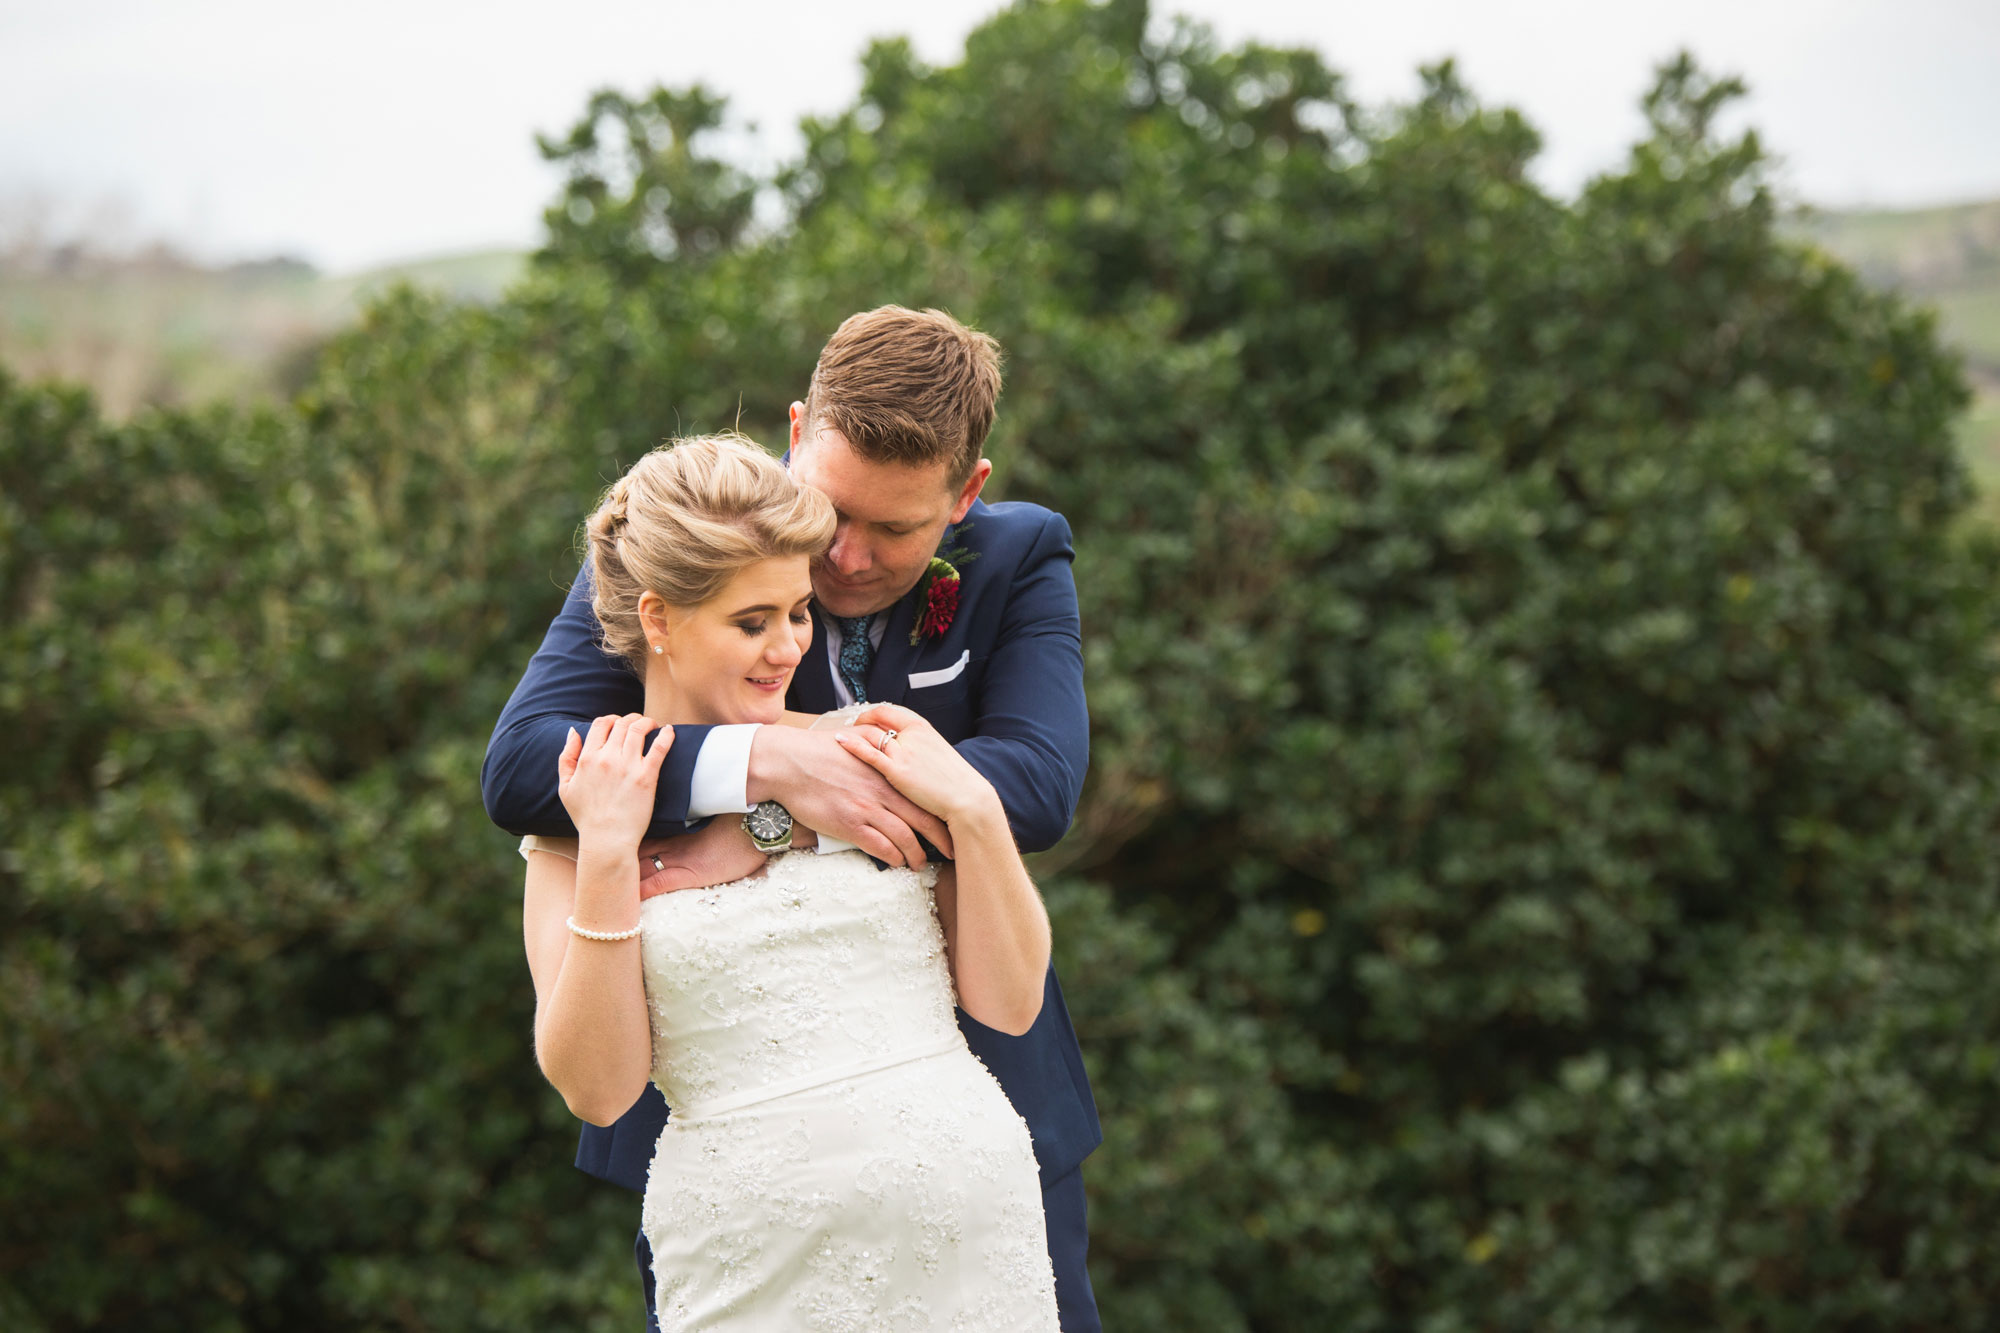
(836, 1160)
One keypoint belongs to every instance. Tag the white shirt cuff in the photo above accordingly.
(828, 845)
(721, 777)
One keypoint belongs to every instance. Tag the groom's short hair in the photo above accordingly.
(908, 386)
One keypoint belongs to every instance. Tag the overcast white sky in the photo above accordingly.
(371, 130)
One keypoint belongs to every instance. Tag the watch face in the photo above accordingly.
(768, 821)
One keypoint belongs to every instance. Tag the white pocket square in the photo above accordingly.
(919, 679)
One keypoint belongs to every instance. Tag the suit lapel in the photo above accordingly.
(889, 678)
(812, 682)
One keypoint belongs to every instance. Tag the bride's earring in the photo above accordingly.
(658, 649)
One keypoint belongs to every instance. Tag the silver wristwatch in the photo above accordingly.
(769, 826)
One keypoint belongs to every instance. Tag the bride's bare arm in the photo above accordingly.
(996, 937)
(592, 1038)
(996, 928)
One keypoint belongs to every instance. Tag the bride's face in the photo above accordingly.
(731, 658)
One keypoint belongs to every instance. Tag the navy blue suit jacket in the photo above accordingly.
(1004, 684)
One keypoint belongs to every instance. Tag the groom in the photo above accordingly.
(891, 430)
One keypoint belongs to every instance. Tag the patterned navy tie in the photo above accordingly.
(857, 653)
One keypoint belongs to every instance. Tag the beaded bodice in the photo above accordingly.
(822, 965)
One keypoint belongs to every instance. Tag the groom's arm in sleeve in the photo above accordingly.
(571, 680)
(1031, 738)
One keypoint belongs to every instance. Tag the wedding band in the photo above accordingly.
(658, 864)
(887, 736)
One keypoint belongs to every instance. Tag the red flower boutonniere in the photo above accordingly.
(937, 594)
(938, 605)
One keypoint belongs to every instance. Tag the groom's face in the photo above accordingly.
(891, 517)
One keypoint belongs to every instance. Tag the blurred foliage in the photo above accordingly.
(1537, 866)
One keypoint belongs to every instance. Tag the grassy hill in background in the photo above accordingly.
(156, 329)
(1948, 258)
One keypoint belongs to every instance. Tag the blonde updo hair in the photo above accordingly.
(686, 519)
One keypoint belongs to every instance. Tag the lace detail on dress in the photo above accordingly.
(837, 1159)
(742, 979)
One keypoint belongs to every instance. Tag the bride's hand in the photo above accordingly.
(606, 779)
(918, 762)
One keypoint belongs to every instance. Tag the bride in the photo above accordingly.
(836, 1158)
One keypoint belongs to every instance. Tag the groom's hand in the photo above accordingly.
(719, 853)
(828, 789)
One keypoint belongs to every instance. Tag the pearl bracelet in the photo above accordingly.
(606, 936)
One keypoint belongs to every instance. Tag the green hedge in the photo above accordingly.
(1537, 865)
